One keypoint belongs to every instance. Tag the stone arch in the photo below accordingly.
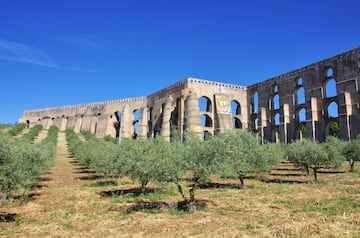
(206, 121)
(300, 131)
(117, 123)
(332, 110)
(237, 123)
(276, 119)
(276, 102)
(301, 115)
(235, 107)
(206, 135)
(254, 105)
(136, 118)
(299, 96)
(330, 88)
(329, 72)
(150, 122)
(332, 128)
(205, 104)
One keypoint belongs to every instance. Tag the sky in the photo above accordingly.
(65, 52)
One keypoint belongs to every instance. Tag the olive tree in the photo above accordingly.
(241, 154)
(351, 151)
(312, 155)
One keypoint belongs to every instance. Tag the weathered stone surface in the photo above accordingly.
(278, 113)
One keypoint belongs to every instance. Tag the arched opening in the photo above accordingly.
(206, 135)
(206, 121)
(275, 89)
(299, 82)
(332, 110)
(27, 124)
(237, 123)
(235, 108)
(150, 122)
(302, 115)
(329, 73)
(117, 123)
(254, 106)
(255, 125)
(332, 129)
(300, 96)
(330, 88)
(136, 123)
(277, 119)
(300, 132)
(276, 102)
(204, 104)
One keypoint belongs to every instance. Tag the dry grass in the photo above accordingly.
(284, 204)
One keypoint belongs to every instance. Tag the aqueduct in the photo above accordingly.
(314, 101)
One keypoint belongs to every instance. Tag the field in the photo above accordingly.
(72, 201)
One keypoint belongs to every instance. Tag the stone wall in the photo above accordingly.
(287, 107)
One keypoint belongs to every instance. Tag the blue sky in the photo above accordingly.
(62, 52)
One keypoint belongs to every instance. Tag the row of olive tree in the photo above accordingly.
(314, 156)
(229, 154)
(18, 127)
(22, 163)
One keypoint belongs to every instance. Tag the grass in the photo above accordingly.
(278, 205)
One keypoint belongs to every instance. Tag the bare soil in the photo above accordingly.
(72, 201)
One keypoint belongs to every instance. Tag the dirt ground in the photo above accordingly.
(67, 202)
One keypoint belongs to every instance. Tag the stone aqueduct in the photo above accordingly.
(304, 102)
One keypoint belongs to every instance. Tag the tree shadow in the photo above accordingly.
(210, 185)
(157, 206)
(125, 192)
(7, 217)
(288, 169)
(330, 172)
(92, 177)
(105, 183)
(287, 175)
(26, 197)
(277, 180)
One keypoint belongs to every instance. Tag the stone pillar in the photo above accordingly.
(263, 124)
(77, 124)
(222, 114)
(286, 109)
(101, 126)
(63, 124)
(348, 107)
(143, 123)
(314, 117)
(110, 127)
(127, 127)
(192, 114)
(57, 122)
(165, 127)
(86, 123)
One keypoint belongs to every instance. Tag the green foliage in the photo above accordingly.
(21, 163)
(240, 153)
(312, 155)
(32, 133)
(19, 127)
(351, 151)
(334, 129)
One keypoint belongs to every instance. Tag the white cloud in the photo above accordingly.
(86, 42)
(18, 52)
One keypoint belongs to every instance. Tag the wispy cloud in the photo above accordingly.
(19, 52)
(86, 42)
(15, 51)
